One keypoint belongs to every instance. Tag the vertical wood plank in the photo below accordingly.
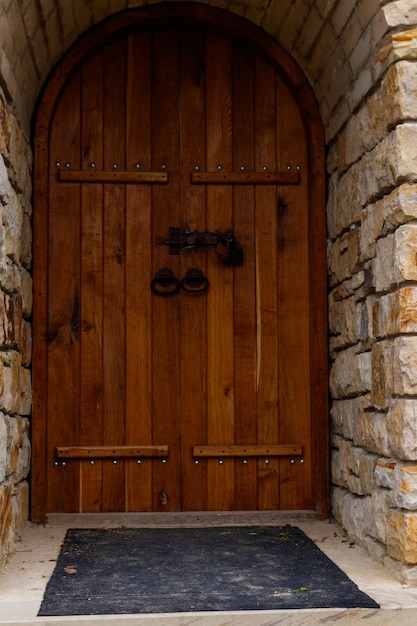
(193, 308)
(138, 273)
(91, 338)
(165, 311)
(220, 356)
(114, 337)
(266, 287)
(40, 469)
(294, 305)
(244, 278)
(64, 304)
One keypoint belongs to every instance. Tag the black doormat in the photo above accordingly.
(171, 570)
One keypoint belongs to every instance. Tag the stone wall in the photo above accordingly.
(15, 328)
(372, 211)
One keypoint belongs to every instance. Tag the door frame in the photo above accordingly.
(284, 64)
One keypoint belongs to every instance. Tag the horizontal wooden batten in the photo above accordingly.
(247, 451)
(110, 452)
(246, 178)
(114, 176)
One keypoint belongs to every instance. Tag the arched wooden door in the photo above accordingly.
(188, 401)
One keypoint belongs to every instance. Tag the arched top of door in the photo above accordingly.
(151, 16)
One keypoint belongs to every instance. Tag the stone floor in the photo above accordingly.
(23, 582)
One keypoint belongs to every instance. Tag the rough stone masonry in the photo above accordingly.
(15, 328)
(360, 57)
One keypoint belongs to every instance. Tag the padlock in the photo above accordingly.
(222, 249)
(235, 256)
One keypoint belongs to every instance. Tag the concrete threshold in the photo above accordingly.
(23, 582)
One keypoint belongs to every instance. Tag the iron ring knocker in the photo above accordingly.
(165, 283)
(194, 281)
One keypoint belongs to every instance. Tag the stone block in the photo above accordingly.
(344, 415)
(382, 373)
(20, 158)
(382, 501)
(4, 183)
(27, 291)
(340, 462)
(395, 313)
(14, 218)
(401, 423)
(337, 496)
(401, 536)
(400, 12)
(344, 207)
(384, 216)
(10, 364)
(350, 374)
(344, 322)
(357, 516)
(25, 400)
(20, 504)
(404, 366)
(395, 47)
(398, 94)
(341, 16)
(405, 246)
(375, 548)
(372, 223)
(406, 574)
(24, 455)
(26, 242)
(14, 439)
(385, 473)
(3, 448)
(25, 343)
(405, 492)
(7, 537)
(370, 432)
(366, 472)
(348, 287)
(383, 270)
(336, 468)
(355, 485)
(344, 257)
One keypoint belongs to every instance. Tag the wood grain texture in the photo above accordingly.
(91, 331)
(110, 452)
(237, 369)
(114, 255)
(193, 331)
(246, 178)
(114, 176)
(165, 311)
(267, 373)
(63, 331)
(220, 341)
(248, 450)
(138, 272)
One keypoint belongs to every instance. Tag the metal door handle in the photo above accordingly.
(165, 283)
(194, 281)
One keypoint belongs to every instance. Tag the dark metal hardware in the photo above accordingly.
(180, 239)
(165, 283)
(230, 251)
(194, 281)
